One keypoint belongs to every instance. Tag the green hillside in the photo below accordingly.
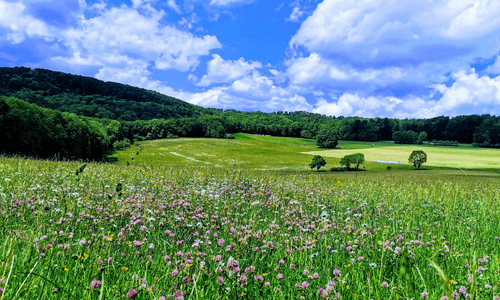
(91, 97)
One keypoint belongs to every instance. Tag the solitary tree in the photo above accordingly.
(417, 158)
(317, 162)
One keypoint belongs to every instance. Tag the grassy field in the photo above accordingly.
(248, 151)
(437, 156)
(247, 219)
(294, 154)
(197, 231)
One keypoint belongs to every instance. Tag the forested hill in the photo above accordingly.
(62, 108)
(91, 97)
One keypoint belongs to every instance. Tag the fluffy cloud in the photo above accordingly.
(470, 93)
(366, 21)
(469, 19)
(352, 104)
(124, 33)
(224, 71)
(114, 37)
(314, 69)
(14, 17)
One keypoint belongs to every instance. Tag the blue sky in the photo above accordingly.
(370, 58)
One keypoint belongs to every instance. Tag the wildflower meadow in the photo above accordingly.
(108, 231)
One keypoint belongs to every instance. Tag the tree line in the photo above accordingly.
(112, 115)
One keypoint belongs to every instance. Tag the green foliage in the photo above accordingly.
(171, 136)
(92, 97)
(328, 137)
(487, 134)
(445, 143)
(80, 170)
(317, 162)
(40, 132)
(405, 137)
(356, 160)
(417, 158)
(118, 145)
(138, 114)
(422, 136)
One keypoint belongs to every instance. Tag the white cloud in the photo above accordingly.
(296, 14)
(16, 37)
(471, 94)
(13, 17)
(470, 18)
(224, 71)
(401, 33)
(494, 68)
(226, 2)
(124, 33)
(317, 71)
(352, 104)
(174, 6)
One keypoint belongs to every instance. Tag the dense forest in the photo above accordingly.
(91, 97)
(46, 113)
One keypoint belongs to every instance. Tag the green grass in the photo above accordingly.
(246, 151)
(186, 217)
(294, 154)
(437, 156)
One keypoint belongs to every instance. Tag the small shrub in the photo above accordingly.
(121, 144)
(172, 136)
(317, 162)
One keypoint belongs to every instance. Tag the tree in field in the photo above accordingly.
(328, 138)
(356, 159)
(417, 158)
(317, 162)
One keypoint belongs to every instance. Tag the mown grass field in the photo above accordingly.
(294, 154)
(170, 227)
(437, 156)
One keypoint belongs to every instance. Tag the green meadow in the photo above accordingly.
(247, 219)
(259, 152)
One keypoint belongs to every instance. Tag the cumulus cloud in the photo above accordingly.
(376, 33)
(470, 93)
(469, 19)
(316, 72)
(224, 71)
(352, 104)
(123, 34)
(13, 16)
